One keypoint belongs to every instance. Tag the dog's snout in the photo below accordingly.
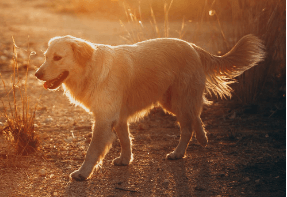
(39, 74)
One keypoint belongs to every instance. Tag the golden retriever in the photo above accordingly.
(119, 84)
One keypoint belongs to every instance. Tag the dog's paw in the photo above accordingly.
(202, 139)
(174, 156)
(121, 161)
(78, 176)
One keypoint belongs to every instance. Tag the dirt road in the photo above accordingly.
(245, 155)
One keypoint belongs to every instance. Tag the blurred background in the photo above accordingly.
(215, 25)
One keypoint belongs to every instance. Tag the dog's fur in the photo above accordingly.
(118, 84)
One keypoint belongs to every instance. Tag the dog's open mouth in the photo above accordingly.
(54, 83)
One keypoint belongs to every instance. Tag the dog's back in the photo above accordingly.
(154, 66)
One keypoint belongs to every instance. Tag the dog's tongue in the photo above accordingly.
(45, 85)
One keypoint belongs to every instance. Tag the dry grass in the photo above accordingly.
(19, 126)
(137, 30)
(265, 19)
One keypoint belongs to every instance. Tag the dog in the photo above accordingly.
(120, 84)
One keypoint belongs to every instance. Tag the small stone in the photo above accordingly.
(257, 181)
(55, 193)
(49, 119)
(3, 58)
(233, 116)
(51, 176)
(198, 188)
(166, 181)
(63, 148)
(246, 179)
(42, 172)
(69, 139)
(266, 135)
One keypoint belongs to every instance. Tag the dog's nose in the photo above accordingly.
(39, 75)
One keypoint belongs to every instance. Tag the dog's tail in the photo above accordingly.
(221, 70)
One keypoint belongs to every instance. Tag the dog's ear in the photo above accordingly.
(83, 51)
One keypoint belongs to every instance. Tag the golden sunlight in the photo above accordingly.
(129, 105)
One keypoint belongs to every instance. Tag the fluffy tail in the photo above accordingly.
(221, 70)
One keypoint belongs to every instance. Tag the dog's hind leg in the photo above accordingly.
(187, 108)
(185, 136)
(126, 150)
(101, 142)
(185, 125)
(187, 128)
(200, 132)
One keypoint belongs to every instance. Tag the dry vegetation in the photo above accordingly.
(19, 117)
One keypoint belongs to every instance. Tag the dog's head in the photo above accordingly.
(65, 55)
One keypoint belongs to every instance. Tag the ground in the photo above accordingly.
(245, 156)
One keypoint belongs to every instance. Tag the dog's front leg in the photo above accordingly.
(101, 142)
(126, 152)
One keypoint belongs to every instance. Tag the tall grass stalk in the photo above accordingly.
(166, 22)
(19, 128)
(137, 31)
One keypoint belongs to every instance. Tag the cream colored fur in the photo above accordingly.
(118, 84)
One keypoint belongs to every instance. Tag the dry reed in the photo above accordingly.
(19, 126)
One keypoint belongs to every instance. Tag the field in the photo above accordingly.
(246, 153)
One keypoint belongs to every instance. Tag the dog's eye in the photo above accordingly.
(57, 58)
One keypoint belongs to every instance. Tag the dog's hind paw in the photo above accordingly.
(174, 156)
(202, 139)
(121, 161)
(76, 175)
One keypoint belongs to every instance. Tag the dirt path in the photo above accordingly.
(245, 155)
